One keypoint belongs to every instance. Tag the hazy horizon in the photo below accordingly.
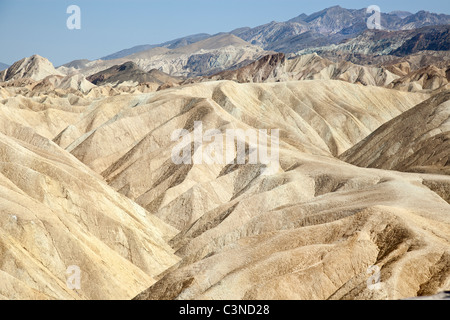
(39, 27)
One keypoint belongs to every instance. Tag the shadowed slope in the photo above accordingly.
(417, 140)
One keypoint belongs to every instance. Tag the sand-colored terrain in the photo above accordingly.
(87, 179)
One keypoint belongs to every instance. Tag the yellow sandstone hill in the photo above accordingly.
(87, 179)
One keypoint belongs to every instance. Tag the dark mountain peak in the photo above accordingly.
(335, 8)
(130, 65)
(401, 14)
(329, 12)
(299, 19)
(258, 71)
(422, 14)
(423, 18)
(427, 38)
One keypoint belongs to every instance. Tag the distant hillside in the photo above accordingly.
(206, 57)
(397, 43)
(129, 71)
(180, 42)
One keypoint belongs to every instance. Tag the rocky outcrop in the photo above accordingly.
(262, 70)
(428, 78)
(276, 68)
(34, 67)
(130, 72)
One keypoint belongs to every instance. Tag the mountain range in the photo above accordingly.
(225, 53)
(397, 43)
(326, 27)
(334, 33)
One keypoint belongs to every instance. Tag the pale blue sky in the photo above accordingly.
(39, 26)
